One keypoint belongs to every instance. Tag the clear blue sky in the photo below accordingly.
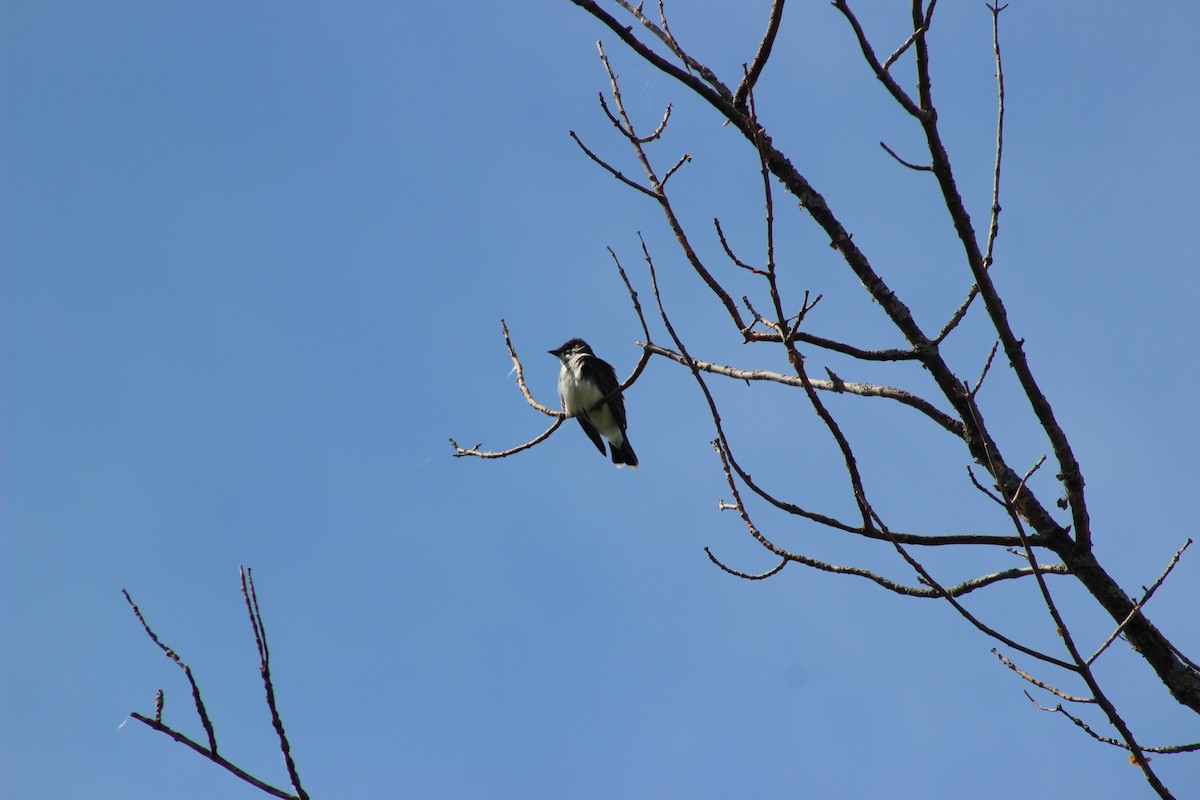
(254, 260)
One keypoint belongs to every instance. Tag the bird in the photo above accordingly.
(583, 382)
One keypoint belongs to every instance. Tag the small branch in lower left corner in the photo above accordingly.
(210, 752)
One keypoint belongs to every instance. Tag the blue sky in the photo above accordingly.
(255, 256)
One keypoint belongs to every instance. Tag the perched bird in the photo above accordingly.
(582, 383)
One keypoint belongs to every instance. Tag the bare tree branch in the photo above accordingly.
(729, 251)
(658, 132)
(760, 57)
(881, 72)
(1033, 521)
(1040, 684)
(683, 159)
(920, 31)
(987, 365)
(994, 227)
(945, 421)
(210, 752)
(213, 757)
(954, 591)
(744, 575)
(459, 451)
(909, 164)
(520, 371)
(717, 96)
(664, 203)
(1140, 603)
(1058, 709)
(264, 667)
(201, 712)
(838, 347)
(611, 169)
(1082, 667)
(957, 316)
(637, 309)
(663, 33)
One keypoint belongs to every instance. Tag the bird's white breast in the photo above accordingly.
(576, 393)
(580, 396)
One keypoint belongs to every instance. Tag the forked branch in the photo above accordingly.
(210, 751)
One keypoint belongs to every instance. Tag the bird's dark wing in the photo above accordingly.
(592, 433)
(604, 376)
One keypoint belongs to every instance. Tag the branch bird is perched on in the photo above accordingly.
(583, 382)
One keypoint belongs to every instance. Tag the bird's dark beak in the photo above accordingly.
(553, 353)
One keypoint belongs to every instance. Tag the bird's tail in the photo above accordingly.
(623, 456)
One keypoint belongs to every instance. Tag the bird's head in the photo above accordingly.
(572, 348)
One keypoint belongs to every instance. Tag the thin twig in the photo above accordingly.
(943, 419)
(920, 540)
(835, 346)
(881, 72)
(934, 592)
(987, 365)
(616, 173)
(729, 251)
(459, 452)
(213, 757)
(520, 371)
(1137, 607)
(264, 667)
(958, 315)
(662, 126)
(1058, 709)
(1038, 683)
(684, 159)
(805, 307)
(909, 164)
(171, 654)
(994, 225)
(633, 298)
(746, 575)
(768, 215)
(912, 37)
(760, 57)
(987, 492)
